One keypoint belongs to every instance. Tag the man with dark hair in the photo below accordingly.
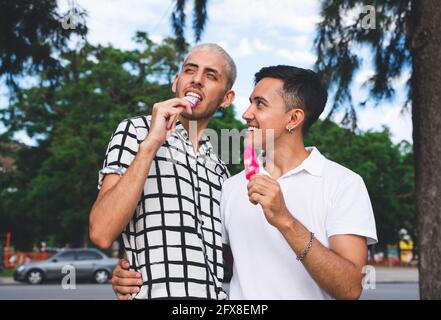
(301, 89)
(298, 229)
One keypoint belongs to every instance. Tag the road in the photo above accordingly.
(383, 291)
(56, 292)
(392, 291)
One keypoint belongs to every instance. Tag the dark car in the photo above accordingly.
(89, 264)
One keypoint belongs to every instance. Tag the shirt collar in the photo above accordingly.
(204, 143)
(180, 128)
(313, 164)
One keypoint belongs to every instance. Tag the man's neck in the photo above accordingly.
(196, 130)
(288, 154)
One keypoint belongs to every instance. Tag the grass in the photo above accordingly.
(7, 272)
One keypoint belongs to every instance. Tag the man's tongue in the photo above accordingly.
(193, 100)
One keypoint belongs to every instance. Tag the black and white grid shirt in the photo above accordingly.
(174, 238)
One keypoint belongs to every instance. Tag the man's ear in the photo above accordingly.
(175, 83)
(228, 99)
(297, 118)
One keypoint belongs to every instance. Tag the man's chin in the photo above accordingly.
(195, 117)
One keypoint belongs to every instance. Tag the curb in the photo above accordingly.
(7, 280)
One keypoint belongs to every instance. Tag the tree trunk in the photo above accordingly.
(425, 45)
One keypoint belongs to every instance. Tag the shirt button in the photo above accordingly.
(198, 189)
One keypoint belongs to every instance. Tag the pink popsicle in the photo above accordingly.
(250, 161)
(193, 100)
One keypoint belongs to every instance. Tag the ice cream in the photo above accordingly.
(193, 100)
(250, 160)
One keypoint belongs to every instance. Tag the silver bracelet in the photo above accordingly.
(308, 247)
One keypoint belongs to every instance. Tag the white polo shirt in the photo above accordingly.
(327, 198)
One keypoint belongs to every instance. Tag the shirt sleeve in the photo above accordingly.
(121, 151)
(351, 211)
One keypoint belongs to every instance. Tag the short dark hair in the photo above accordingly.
(302, 88)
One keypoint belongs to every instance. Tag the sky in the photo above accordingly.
(256, 33)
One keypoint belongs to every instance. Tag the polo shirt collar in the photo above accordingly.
(313, 164)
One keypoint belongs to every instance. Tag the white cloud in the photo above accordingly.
(245, 48)
(363, 75)
(375, 118)
(301, 58)
(241, 103)
(402, 79)
(116, 21)
(388, 115)
(351, 16)
(298, 16)
(303, 42)
(260, 46)
(22, 137)
(156, 38)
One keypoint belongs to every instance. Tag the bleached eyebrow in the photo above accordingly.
(188, 64)
(207, 69)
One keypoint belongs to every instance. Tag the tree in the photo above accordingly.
(406, 35)
(31, 33)
(178, 20)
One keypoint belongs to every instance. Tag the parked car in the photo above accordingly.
(89, 264)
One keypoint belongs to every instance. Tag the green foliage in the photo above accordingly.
(226, 120)
(338, 43)
(30, 34)
(387, 171)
